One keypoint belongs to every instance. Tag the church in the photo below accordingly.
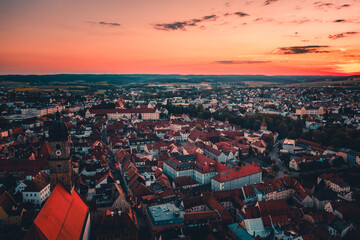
(64, 215)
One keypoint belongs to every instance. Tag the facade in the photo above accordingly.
(37, 190)
(114, 114)
(289, 145)
(335, 183)
(42, 111)
(310, 111)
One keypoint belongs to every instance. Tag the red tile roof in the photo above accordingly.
(237, 172)
(62, 217)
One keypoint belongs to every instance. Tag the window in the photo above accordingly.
(57, 146)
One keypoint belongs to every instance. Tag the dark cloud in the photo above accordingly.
(320, 4)
(326, 5)
(183, 24)
(342, 35)
(109, 24)
(303, 49)
(240, 62)
(241, 14)
(112, 24)
(343, 6)
(267, 2)
(339, 20)
(213, 17)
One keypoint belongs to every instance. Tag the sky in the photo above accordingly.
(271, 37)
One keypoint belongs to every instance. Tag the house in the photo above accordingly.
(334, 182)
(118, 225)
(259, 145)
(64, 216)
(295, 163)
(37, 190)
(289, 145)
(10, 212)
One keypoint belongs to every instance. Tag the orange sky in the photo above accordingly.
(180, 36)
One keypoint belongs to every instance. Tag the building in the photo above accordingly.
(115, 114)
(334, 182)
(237, 177)
(37, 190)
(10, 213)
(263, 126)
(164, 216)
(118, 225)
(60, 157)
(64, 216)
(310, 111)
(41, 110)
(289, 145)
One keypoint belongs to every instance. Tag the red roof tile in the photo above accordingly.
(62, 217)
(237, 172)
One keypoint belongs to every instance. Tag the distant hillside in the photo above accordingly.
(121, 79)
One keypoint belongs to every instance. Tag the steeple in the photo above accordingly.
(60, 156)
(263, 126)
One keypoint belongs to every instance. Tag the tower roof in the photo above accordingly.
(58, 130)
(263, 124)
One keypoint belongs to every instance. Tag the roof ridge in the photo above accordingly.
(62, 225)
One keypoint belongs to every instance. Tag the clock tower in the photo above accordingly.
(60, 157)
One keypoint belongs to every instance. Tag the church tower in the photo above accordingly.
(263, 126)
(60, 157)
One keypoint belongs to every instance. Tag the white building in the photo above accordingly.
(115, 114)
(37, 190)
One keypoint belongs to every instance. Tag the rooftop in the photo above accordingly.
(165, 214)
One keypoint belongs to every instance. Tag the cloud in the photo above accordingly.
(267, 2)
(320, 4)
(288, 21)
(241, 14)
(327, 5)
(343, 6)
(303, 49)
(181, 25)
(240, 62)
(339, 20)
(109, 24)
(342, 35)
(228, 4)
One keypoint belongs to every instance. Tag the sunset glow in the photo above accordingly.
(302, 37)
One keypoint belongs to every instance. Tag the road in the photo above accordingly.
(144, 232)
